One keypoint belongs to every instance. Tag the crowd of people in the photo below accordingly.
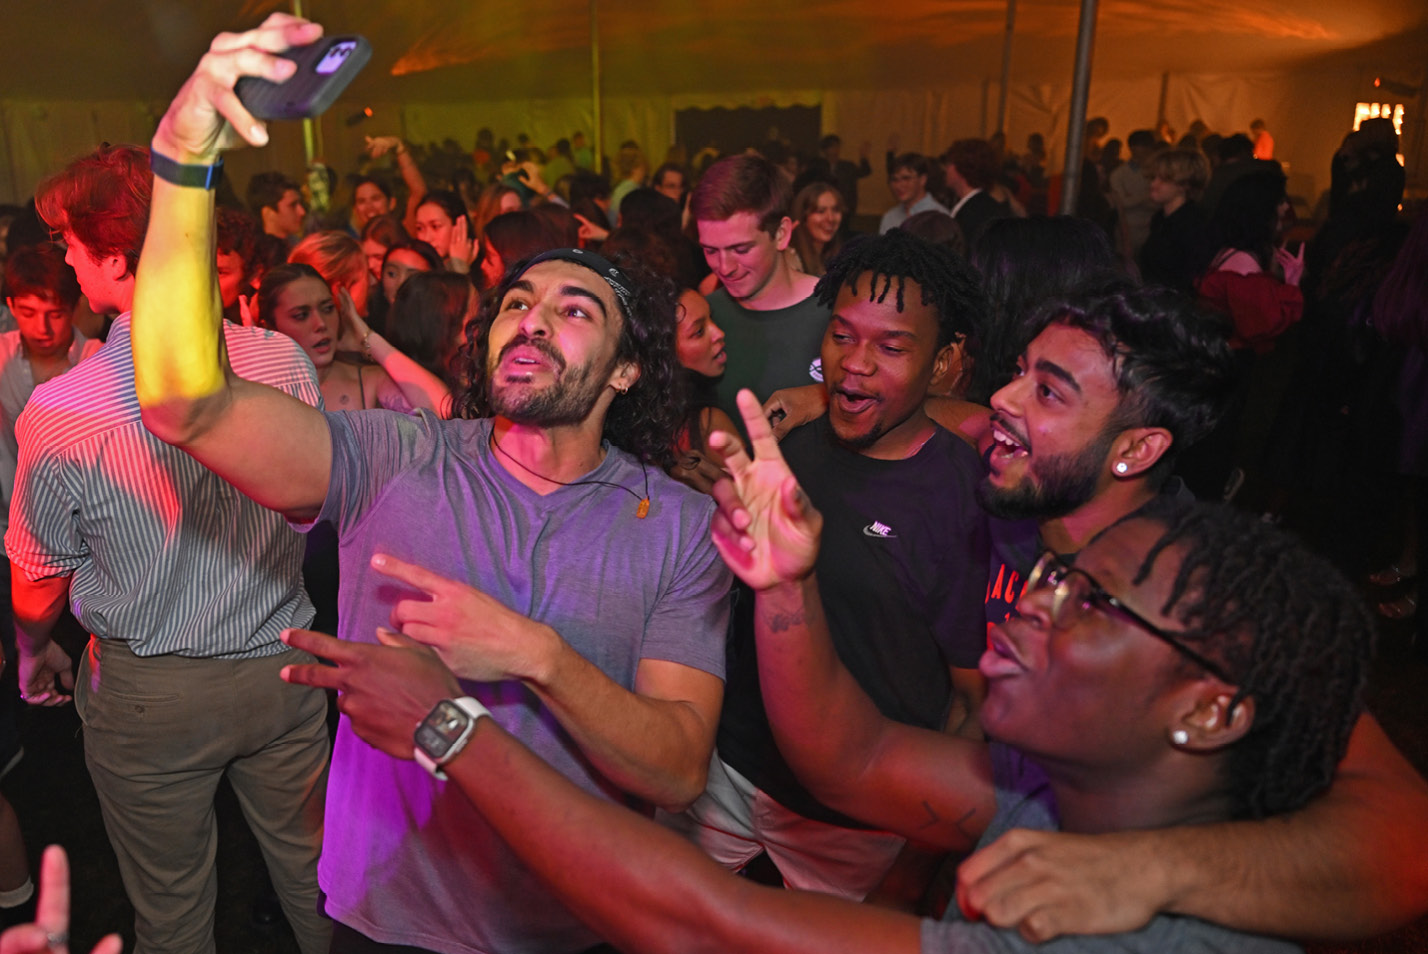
(642, 525)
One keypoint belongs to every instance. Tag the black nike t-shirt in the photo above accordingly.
(902, 573)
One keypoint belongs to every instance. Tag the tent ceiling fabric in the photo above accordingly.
(474, 50)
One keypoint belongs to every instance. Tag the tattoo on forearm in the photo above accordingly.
(782, 622)
(933, 819)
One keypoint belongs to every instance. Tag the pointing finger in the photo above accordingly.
(414, 576)
(322, 645)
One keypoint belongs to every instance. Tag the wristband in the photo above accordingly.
(180, 174)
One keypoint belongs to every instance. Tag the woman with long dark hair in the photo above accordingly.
(428, 317)
(442, 222)
(818, 210)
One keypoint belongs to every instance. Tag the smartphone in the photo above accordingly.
(324, 70)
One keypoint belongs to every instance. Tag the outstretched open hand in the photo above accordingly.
(463, 245)
(766, 528)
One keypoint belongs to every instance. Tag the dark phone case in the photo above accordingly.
(306, 93)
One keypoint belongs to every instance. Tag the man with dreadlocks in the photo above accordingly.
(1104, 398)
(905, 544)
(1194, 665)
(571, 585)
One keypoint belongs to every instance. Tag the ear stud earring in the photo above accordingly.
(1122, 467)
(1180, 737)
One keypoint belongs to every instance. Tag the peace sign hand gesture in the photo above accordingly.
(766, 529)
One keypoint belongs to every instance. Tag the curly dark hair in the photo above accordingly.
(645, 420)
(948, 283)
(1295, 634)
(1171, 360)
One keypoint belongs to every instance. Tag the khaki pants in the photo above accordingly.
(159, 733)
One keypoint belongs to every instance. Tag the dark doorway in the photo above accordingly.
(732, 131)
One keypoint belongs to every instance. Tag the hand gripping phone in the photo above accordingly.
(323, 72)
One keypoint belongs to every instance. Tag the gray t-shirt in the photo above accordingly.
(407, 859)
(1025, 800)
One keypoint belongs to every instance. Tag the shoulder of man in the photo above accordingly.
(261, 354)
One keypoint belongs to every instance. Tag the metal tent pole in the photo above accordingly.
(310, 133)
(1076, 122)
(599, 137)
(1006, 67)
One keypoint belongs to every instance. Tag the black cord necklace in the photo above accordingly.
(640, 512)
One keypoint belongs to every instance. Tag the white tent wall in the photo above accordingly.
(1308, 111)
(38, 138)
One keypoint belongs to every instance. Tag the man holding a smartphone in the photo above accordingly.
(583, 602)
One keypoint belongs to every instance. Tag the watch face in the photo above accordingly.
(442, 729)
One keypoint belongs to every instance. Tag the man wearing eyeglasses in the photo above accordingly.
(1087, 432)
(907, 178)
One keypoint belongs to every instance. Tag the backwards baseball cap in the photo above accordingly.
(618, 281)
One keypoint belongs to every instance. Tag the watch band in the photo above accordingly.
(472, 708)
(180, 174)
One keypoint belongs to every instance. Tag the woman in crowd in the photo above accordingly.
(1255, 284)
(379, 234)
(699, 346)
(818, 212)
(428, 319)
(496, 199)
(339, 260)
(1252, 278)
(376, 197)
(442, 222)
(297, 301)
(655, 214)
(371, 198)
(510, 237)
(404, 259)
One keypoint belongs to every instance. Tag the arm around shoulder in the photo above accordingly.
(1350, 864)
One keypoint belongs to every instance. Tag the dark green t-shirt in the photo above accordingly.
(767, 350)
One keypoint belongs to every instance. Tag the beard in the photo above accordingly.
(858, 442)
(1066, 482)
(569, 400)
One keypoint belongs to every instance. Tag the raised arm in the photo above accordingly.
(1349, 865)
(637, 884)
(268, 444)
(377, 146)
(923, 784)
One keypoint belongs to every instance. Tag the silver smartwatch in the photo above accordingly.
(445, 731)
